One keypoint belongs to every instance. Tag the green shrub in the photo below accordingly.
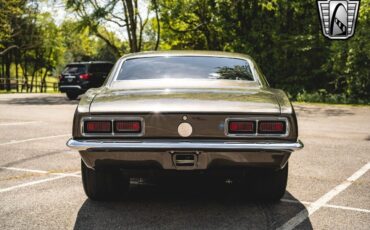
(323, 96)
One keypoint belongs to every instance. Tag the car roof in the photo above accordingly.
(186, 53)
(90, 62)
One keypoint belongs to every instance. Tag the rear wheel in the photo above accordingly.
(72, 95)
(268, 184)
(103, 185)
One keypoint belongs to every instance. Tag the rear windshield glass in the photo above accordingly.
(100, 68)
(185, 67)
(73, 69)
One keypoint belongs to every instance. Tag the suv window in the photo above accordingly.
(100, 68)
(185, 67)
(74, 69)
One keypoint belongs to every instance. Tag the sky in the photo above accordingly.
(59, 13)
(57, 10)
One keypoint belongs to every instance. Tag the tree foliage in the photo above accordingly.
(284, 37)
(123, 14)
(32, 46)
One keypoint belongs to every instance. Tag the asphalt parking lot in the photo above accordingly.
(40, 181)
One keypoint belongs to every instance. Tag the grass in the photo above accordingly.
(14, 91)
(50, 81)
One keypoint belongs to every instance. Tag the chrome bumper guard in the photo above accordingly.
(153, 145)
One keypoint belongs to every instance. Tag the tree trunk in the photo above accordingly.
(25, 75)
(158, 24)
(43, 85)
(33, 80)
(131, 11)
(7, 72)
(2, 78)
(16, 56)
(23, 85)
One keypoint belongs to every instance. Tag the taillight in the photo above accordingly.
(242, 127)
(60, 77)
(85, 76)
(271, 127)
(98, 127)
(127, 126)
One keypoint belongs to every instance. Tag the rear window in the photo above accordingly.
(74, 69)
(100, 68)
(185, 67)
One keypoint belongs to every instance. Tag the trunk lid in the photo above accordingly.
(179, 97)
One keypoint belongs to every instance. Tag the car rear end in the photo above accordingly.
(149, 127)
(74, 78)
(77, 78)
(157, 141)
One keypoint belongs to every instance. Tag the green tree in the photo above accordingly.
(124, 14)
(283, 36)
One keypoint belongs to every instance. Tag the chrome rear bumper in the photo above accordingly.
(93, 145)
(163, 153)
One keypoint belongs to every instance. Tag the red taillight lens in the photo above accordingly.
(242, 127)
(85, 76)
(273, 127)
(127, 126)
(98, 127)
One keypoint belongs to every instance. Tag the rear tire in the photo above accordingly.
(268, 184)
(103, 185)
(72, 95)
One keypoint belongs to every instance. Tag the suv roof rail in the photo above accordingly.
(90, 62)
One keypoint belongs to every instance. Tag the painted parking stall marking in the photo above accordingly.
(328, 205)
(322, 201)
(40, 171)
(34, 183)
(19, 123)
(33, 139)
(57, 176)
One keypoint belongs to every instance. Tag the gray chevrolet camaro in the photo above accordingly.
(185, 112)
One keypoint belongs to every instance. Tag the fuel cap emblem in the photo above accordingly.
(185, 129)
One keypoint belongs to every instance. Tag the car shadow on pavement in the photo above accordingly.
(190, 207)
(40, 100)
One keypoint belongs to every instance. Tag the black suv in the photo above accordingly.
(78, 77)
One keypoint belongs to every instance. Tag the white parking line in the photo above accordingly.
(327, 205)
(23, 170)
(33, 183)
(347, 208)
(39, 171)
(33, 139)
(19, 123)
(322, 201)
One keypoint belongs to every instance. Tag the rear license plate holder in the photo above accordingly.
(184, 159)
